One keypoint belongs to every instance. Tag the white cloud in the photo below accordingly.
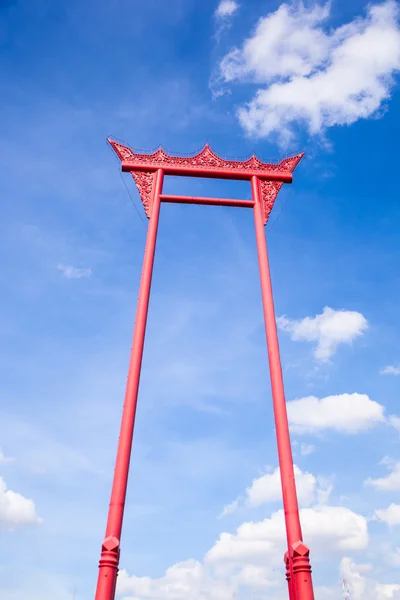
(15, 509)
(345, 529)
(389, 483)
(267, 488)
(190, 571)
(390, 370)
(362, 588)
(384, 591)
(313, 75)
(240, 559)
(346, 413)
(185, 580)
(277, 48)
(329, 329)
(70, 272)
(390, 515)
(226, 8)
(326, 529)
(251, 557)
(256, 577)
(394, 421)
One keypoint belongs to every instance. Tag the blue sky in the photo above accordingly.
(203, 510)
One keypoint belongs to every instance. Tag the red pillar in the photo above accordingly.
(110, 550)
(299, 567)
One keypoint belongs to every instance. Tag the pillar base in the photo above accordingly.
(301, 569)
(108, 568)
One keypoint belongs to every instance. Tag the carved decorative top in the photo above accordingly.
(144, 181)
(270, 189)
(145, 165)
(206, 159)
(269, 192)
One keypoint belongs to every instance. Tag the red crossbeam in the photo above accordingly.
(214, 173)
(207, 201)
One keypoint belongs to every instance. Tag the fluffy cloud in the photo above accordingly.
(256, 577)
(240, 559)
(389, 483)
(191, 580)
(390, 370)
(394, 421)
(390, 515)
(226, 8)
(313, 75)
(277, 48)
(267, 488)
(70, 272)
(362, 588)
(250, 558)
(326, 529)
(182, 580)
(347, 413)
(15, 509)
(329, 329)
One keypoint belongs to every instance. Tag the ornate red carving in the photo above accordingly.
(206, 160)
(269, 192)
(144, 182)
(270, 189)
(289, 164)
